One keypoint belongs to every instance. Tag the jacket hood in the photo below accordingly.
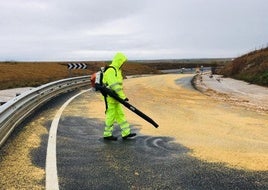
(118, 60)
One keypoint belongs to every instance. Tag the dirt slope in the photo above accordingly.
(251, 67)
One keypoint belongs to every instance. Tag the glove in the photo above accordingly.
(126, 99)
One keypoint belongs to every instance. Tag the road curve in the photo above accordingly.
(200, 144)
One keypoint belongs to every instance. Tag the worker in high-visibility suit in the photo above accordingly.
(113, 79)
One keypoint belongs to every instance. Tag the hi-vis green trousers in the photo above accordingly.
(115, 113)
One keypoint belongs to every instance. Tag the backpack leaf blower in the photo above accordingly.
(106, 91)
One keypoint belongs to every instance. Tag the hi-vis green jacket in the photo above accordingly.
(113, 78)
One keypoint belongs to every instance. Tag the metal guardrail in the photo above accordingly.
(17, 109)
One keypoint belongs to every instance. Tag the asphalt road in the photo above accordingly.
(85, 161)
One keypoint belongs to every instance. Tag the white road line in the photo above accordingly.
(51, 160)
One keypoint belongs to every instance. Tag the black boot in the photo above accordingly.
(111, 138)
(129, 135)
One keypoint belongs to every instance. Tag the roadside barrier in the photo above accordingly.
(17, 109)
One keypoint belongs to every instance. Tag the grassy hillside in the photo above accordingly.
(26, 74)
(251, 67)
(32, 74)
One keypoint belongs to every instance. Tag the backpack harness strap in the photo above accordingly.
(104, 94)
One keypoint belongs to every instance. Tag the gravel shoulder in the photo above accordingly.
(236, 92)
(8, 94)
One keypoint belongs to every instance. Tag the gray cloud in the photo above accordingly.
(143, 29)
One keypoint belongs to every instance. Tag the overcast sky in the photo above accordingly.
(64, 30)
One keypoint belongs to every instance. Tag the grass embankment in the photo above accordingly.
(32, 74)
(251, 67)
(14, 75)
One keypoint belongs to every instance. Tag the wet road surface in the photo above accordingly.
(85, 161)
